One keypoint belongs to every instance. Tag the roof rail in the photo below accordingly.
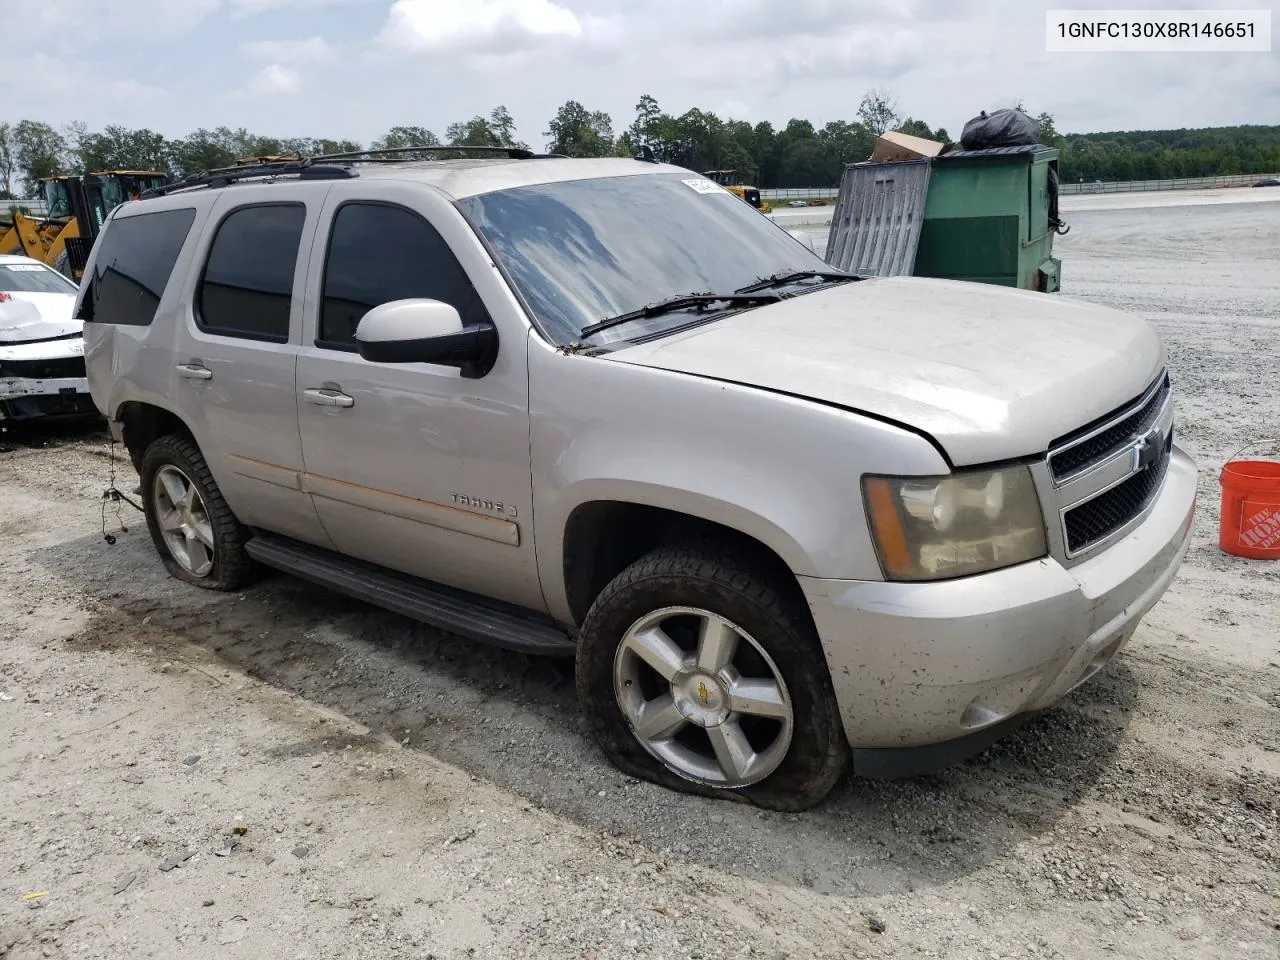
(306, 169)
(329, 166)
(393, 153)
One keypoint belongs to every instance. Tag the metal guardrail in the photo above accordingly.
(1110, 186)
(34, 208)
(1180, 183)
(801, 193)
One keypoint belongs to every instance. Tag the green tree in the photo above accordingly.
(405, 137)
(846, 143)
(579, 132)
(204, 150)
(878, 110)
(1049, 135)
(644, 127)
(40, 150)
(8, 161)
(120, 148)
(805, 163)
(496, 130)
(767, 154)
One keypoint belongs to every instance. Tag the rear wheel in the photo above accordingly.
(196, 534)
(696, 672)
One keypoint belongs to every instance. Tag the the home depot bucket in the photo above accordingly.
(1249, 525)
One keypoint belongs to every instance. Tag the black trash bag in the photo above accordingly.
(1003, 128)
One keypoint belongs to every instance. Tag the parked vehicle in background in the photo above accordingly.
(603, 409)
(1271, 182)
(42, 371)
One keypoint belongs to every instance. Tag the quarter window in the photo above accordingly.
(134, 261)
(247, 288)
(379, 253)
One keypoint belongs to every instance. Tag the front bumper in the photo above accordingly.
(917, 664)
(22, 398)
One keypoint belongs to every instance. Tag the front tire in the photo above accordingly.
(197, 536)
(697, 673)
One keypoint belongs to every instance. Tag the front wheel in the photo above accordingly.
(698, 673)
(197, 536)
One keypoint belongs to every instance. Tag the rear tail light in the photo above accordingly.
(4, 297)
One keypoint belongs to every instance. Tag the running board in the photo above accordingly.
(477, 618)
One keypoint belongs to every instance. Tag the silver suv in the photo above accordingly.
(605, 409)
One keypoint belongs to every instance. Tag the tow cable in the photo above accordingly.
(114, 495)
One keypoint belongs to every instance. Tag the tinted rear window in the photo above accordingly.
(247, 288)
(134, 264)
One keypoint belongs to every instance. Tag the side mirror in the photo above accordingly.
(426, 331)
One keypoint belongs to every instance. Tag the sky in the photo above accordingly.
(354, 68)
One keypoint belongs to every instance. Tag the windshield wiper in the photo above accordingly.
(682, 302)
(780, 279)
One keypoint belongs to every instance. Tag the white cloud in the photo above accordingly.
(84, 19)
(420, 25)
(311, 50)
(248, 8)
(275, 78)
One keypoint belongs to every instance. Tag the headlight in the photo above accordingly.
(934, 528)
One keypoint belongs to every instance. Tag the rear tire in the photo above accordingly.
(759, 723)
(197, 536)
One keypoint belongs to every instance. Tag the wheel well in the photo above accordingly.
(142, 424)
(603, 538)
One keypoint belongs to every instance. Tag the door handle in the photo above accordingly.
(194, 371)
(328, 398)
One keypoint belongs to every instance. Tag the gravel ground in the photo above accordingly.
(403, 795)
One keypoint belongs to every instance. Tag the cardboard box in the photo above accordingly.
(892, 145)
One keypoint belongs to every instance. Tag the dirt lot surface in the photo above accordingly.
(404, 795)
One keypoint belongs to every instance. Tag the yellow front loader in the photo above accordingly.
(730, 180)
(75, 210)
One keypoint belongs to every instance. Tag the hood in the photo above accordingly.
(991, 373)
(37, 316)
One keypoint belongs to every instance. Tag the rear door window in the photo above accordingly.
(247, 287)
(133, 266)
(379, 253)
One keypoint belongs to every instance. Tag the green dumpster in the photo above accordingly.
(990, 217)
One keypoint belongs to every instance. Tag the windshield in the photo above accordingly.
(56, 203)
(33, 278)
(113, 192)
(583, 251)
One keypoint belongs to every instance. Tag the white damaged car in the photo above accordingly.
(42, 371)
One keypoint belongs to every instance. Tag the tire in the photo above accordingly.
(774, 636)
(210, 528)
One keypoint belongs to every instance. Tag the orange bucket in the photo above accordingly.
(1249, 525)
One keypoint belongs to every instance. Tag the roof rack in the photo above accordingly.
(221, 177)
(391, 154)
(329, 166)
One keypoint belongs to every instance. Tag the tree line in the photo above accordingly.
(797, 155)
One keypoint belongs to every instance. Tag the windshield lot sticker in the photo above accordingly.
(700, 185)
(24, 267)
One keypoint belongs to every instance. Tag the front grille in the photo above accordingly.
(1070, 456)
(47, 405)
(1097, 519)
(60, 369)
